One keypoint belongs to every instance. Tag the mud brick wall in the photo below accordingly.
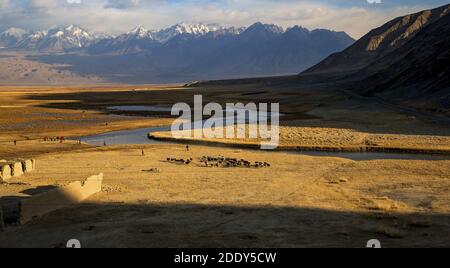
(12, 169)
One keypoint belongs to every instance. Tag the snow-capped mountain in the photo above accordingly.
(167, 34)
(260, 29)
(74, 37)
(61, 39)
(31, 41)
(141, 39)
(140, 32)
(102, 35)
(12, 36)
(58, 39)
(186, 50)
(14, 32)
(195, 29)
(136, 40)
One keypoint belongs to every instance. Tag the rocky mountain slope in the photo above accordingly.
(381, 41)
(12, 36)
(406, 61)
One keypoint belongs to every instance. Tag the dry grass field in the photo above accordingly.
(299, 201)
(323, 139)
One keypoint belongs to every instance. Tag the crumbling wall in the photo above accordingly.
(12, 169)
(5, 172)
(28, 165)
(17, 169)
(52, 200)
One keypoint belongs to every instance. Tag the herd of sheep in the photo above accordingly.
(220, 161)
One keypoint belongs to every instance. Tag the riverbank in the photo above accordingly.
(325, 139)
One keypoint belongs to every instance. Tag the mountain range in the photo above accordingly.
(404, 64)
(406, 60)
(63, 39)
(180, 53)
(57, 39)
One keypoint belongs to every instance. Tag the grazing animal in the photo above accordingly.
(227, 162)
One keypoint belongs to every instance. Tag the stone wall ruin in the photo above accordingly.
(11, 169)
(22, 209)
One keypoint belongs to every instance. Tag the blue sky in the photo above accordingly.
(356, 17)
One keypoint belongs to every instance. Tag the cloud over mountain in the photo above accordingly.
(120, 15)
(122, 4)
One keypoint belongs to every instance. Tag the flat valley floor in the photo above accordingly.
(300, 201)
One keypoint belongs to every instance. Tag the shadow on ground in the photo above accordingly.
(191, 225)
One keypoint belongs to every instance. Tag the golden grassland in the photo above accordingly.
(323, 139)
(24, 116)
(300, 201)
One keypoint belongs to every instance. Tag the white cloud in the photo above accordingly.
(122, 4)
(121, 15)
(3, 3)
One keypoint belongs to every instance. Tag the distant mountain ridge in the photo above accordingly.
(12, 36)
(407, 61)
(61, 39)
(180, 53)
(57, 39)
(380, 41)
(267, 50)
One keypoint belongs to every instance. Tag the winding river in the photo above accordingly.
(140, 136)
